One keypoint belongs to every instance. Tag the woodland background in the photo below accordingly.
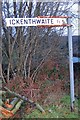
(36, 58)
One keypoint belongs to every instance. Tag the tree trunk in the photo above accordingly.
(1, 75)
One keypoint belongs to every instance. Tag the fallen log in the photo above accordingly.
(17, 106)
(13, 103)
(25, 99)
(5, 113)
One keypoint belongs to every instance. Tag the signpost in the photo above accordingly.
(71, 63)
(51, 21)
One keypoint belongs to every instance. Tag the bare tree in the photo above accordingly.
(1, 74)
(25, 44)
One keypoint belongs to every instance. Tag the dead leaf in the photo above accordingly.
(7, 104)
(6, 112)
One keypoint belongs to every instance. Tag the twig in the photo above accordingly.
(35, 72)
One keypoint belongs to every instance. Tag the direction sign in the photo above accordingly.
(38, 21)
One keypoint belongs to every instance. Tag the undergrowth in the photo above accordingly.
(61, 110)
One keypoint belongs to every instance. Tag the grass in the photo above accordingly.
(56, 111)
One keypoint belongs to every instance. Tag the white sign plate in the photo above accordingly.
(35, 21)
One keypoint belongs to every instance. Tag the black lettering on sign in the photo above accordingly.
(29, 21)
(17, 21)
(10, 21)
(13, 21)
(52, 21)
(21, 21)
(38, 21)
(33, 21)
(25, 21)
(43, 21)
(58, 21)
(48, 20)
